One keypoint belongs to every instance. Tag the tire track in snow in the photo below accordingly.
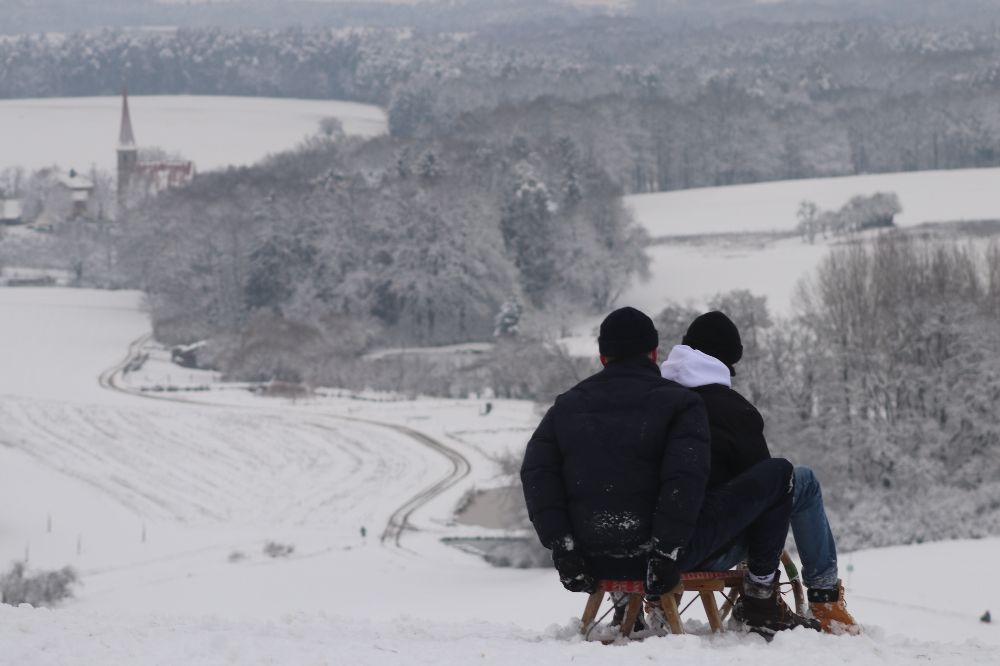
(399, 521)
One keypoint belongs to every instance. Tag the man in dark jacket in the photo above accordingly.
(615, 475)
(704, 363)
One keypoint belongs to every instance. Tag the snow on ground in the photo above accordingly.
(926, 196)
(214, 132)
(714, 240)
(100, 324)
(164, 507)
(695, 271)
(50, 276)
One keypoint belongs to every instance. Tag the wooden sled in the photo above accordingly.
(706, 584)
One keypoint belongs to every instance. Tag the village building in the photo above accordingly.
(10, 211)
(52, 197)
(138, 178)
(67, 196)
(77, 192)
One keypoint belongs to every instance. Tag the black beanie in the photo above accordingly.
(715, 334)
(627, 332)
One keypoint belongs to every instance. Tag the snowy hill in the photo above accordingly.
(926, 196)
(214, 132)
(164, 507)
(719, 239)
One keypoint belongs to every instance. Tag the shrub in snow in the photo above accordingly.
(861, 212)
(331, 127)
(529, 369)
(46, 588)
(280, 389)
(465, 501)
(275, 549)
(506, 552)
(508, 319)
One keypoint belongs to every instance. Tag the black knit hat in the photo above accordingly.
(627, 332)
(715, 334)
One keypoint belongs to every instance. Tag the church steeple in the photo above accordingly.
(128, 155)
(126, 138)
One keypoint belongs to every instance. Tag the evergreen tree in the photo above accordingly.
(528, 234)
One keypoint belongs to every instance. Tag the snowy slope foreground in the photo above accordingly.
(214, 132)
(164, 508)
(43, 637)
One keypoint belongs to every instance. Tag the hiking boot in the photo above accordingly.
(762, 610)
(655, 619)
(829, 607)
(620, 600)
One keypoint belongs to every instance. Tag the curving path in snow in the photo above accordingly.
(159, 464)
(365, 469)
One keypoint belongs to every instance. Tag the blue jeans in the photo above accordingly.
(811, 530)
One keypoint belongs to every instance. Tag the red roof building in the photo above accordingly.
(139, 179)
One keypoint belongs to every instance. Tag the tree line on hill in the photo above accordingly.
(317, 255)
(666, 105)
(55, 16)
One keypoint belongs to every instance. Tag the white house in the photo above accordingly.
(79, 189)
(10, 211)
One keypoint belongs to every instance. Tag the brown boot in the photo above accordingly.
(829, 607)
(761, 609)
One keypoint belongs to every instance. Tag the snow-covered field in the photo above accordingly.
(164, 507)
(693, 271)
(703, 262)
(926, 196)
(214, 132)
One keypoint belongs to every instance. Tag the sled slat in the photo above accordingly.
(669, 604)
(631, 614)
(711, 610)
(590, 611)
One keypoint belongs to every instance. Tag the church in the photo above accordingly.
(138, 178)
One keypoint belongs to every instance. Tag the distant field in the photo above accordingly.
(705, 262)
(926, 196)
(215, 132)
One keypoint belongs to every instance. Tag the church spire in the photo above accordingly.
(128, 157)
(126, 139)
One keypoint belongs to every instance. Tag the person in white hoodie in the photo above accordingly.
(704, 363)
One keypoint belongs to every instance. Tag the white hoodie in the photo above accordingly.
(691, 368)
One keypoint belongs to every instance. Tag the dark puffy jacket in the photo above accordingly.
(619, 463)
(737, 432)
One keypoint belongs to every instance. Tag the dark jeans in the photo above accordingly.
(813, 537)
(752, 509)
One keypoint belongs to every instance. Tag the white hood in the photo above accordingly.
(691, 368)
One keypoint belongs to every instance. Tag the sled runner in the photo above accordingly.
(706, 584)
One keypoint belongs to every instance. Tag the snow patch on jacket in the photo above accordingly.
(691, 368)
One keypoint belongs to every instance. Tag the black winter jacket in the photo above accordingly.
(737, 432)
(619, 463)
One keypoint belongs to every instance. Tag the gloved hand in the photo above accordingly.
(662, 574)
(574, 573)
